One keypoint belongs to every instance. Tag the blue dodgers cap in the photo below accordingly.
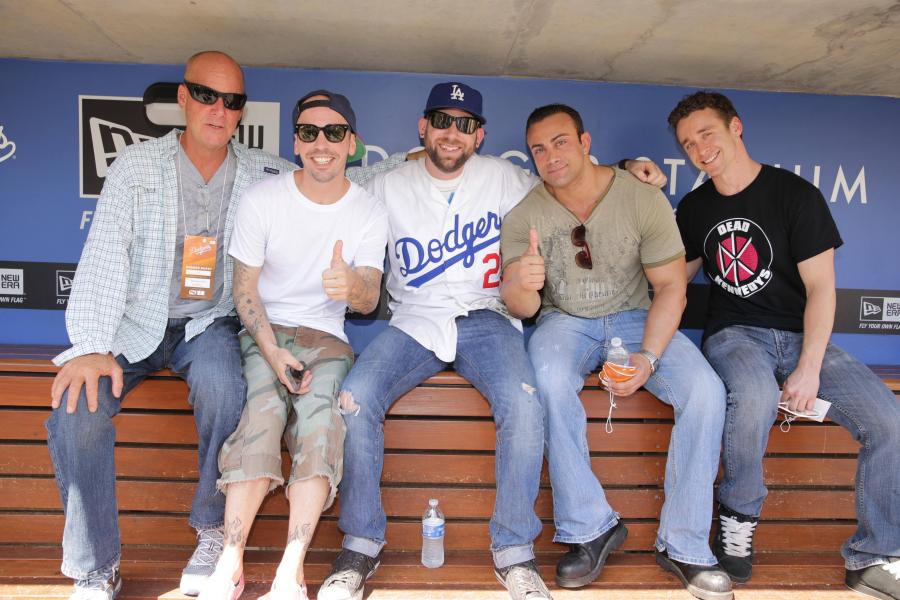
(455, 95)
(336, 102)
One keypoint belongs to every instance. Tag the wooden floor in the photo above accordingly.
(33, 572)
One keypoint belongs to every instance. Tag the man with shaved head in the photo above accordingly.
(153, 291)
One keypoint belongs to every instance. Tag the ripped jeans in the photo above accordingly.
(491, 355)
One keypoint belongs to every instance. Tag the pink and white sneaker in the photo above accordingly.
(222, 588)
(285, 589)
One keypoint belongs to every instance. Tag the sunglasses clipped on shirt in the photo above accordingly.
(206, 95)
(334, 133)
(441, 120)
(583, 258)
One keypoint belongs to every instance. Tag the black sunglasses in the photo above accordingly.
(441, 120)
(206, 95)
(307, 132)
(583, 258)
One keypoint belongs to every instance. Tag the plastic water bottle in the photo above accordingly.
(618, 354)
(433, 536)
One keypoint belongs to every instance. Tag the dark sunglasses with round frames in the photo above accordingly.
(441, 120)
(334, 132)
(209, 96)
(583, 258)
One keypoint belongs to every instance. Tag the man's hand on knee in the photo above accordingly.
(282, 361)
(85, 370)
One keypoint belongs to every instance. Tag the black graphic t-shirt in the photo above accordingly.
(751, 243)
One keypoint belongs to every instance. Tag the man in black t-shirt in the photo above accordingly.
(766, 240)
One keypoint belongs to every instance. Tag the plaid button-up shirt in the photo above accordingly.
(120, 297)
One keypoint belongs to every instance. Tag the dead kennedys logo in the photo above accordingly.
(741, 255)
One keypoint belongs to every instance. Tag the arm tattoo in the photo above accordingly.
(246, 300)
(234, 533)
(363, 297)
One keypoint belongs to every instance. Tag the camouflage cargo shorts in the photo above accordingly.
(311, 425)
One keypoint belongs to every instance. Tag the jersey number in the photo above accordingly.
(491, 277)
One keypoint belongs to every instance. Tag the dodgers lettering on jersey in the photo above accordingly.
(459, 243)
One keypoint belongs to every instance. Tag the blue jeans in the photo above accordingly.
(81, 444)
(564, 349)
(753, 362)
(490, 353)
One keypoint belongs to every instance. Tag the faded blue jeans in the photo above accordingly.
(564, 349)
(81, 444)
(753, 362)
(490, 353)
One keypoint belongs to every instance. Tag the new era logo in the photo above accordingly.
(64, 283)
(870, 309)
(12, 282)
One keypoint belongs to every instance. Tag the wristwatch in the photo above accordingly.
(651, 358)
(623, 164)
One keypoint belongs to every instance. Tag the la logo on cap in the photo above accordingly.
(457, 94)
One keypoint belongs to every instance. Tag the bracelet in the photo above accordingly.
(622, 163)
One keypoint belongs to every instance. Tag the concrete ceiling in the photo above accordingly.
(818, 46)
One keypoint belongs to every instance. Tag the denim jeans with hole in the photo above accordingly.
(753, 362)
(564, 349)
(81, 444)
(491, 355)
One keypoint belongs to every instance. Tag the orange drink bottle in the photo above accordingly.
(616, 368)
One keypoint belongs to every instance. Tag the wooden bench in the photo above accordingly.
(439, 442)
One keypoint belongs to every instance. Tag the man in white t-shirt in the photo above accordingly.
(306, 246)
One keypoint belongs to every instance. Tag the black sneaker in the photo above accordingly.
(704, 582)
(733, 544)
(349, 574)
(583, 563)
(522, 581)
(877, 581)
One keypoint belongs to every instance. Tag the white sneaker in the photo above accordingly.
(222, 588)
(203, 561)
(287, 590)
(102, 587)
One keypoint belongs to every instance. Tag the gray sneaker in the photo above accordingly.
(203, 561)
(105, 586)
(523, 581)
(348, 576)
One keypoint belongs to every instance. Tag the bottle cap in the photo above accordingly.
(433, 502)
(616, 341)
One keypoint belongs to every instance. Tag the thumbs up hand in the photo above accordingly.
(337, 278)
(531, 265)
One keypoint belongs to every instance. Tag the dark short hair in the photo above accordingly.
(542, 112)
(700, 100)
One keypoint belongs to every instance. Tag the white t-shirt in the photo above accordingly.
(445, 258)
(292, 238)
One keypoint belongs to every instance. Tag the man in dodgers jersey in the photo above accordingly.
(766, 240)
(444, 212)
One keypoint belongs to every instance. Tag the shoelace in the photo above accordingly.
(348, 569)
(209, 548)
(737, 536)
(893, 568)
(524, 580)
(104, 581)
